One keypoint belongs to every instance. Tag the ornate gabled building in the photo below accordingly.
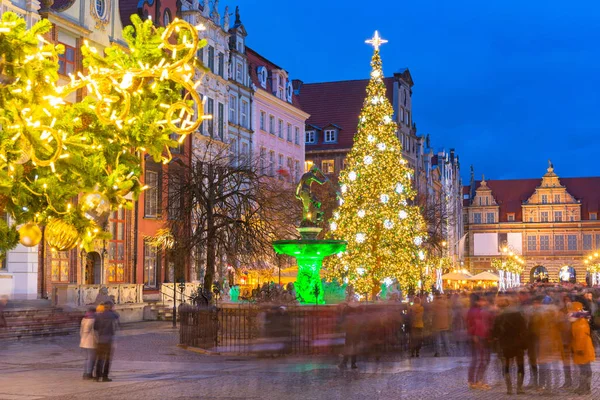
(553, 223)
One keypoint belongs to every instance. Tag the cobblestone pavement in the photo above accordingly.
(148, 365)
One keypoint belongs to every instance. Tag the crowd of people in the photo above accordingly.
(552, 328)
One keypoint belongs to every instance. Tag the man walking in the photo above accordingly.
(105, 326)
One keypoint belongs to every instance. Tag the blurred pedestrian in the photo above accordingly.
(510, 330)
(416, 327)
(478, 328)
(441, 325)
(3, 303)
(583, 349)
(105, 326)
(565, 333)
(351, 326)
(550, 343)
(88, 342)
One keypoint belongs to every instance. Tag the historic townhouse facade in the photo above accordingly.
(278, 120)
(334, 108)
(240, 102)
(553, 223)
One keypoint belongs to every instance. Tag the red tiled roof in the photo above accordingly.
(337, 103)
(467, 201)
(511, 193)
(255, 60)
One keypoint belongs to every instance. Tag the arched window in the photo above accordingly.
(166, 17)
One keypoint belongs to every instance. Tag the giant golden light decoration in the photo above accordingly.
(52, 151)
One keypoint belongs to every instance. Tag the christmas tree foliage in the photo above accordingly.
(376, 217)
(66, 166)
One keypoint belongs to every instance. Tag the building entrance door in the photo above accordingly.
(93, 268)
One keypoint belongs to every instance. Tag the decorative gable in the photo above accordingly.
(483, 195)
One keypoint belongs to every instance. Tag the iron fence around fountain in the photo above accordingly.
(299, 330)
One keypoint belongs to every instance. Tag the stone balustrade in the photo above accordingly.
(83, 295)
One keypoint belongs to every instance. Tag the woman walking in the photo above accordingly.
(583, 349)
(88, 342)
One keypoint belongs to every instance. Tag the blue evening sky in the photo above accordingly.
(507, 83)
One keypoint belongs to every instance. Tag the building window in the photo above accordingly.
(244, 154)
(263, 120)
(200, 55)
(557, 198)
(511, 217)
(166, 18)
(544, 216)
(280, 170)
(476, 218)
(290, 167)
(116, 247)
(297, 170)
(66, 61)
(310, 137)
(151, 264)
(101, 9)
(597, 241)
(572, 242)
(271, 163)
(328, 166)
(175, 198)
(238, 72)
(594, 216)
(232, 110)
(531, 242)
(221, 65)
(263, 161)
(489, 218)
(407, 117)
(296, 135)
(289, 132)
(211, 59)
(587, 242)
(221, 121)
(60, 265)
(544, 199)
(309, 164)
(280, 129)
(244, 114)
(557, 216)
(544, 242)
(330, 136)
(152, 193)
(210, 110)
(271, 124)
(559, 242)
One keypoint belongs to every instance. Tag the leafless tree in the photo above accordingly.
(226, 209)
(438, 217)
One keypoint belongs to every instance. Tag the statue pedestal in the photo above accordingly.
(309, 254)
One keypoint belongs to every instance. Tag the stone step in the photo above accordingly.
(39, 322)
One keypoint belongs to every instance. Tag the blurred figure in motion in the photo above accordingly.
(478, 328)
(88, 342)
(583, 349)
(510, 330)
(280, 329)
(441, 324)
(565, 333)
(3, 303)
(105, 326)
(351, 326)
(550, 343)
(532, 311)
(416, 327)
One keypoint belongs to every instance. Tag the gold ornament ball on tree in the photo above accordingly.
(95, 204)
(61, 235)
(30, 234)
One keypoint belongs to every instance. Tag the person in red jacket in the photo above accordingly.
(478, 328)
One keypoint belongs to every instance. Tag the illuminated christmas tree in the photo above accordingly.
(66, 166)
(376, 217)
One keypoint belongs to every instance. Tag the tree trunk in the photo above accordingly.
(211, 250)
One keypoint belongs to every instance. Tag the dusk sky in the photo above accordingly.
(509, 84)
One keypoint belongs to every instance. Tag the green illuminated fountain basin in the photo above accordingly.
(309, 254)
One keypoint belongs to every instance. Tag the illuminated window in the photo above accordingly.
(328, 166)
(151, 264)
(116, 247)
(60, 265)
(309, 164)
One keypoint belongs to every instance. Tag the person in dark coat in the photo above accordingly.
(510, 331)
(105, 327)
(351, 326)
